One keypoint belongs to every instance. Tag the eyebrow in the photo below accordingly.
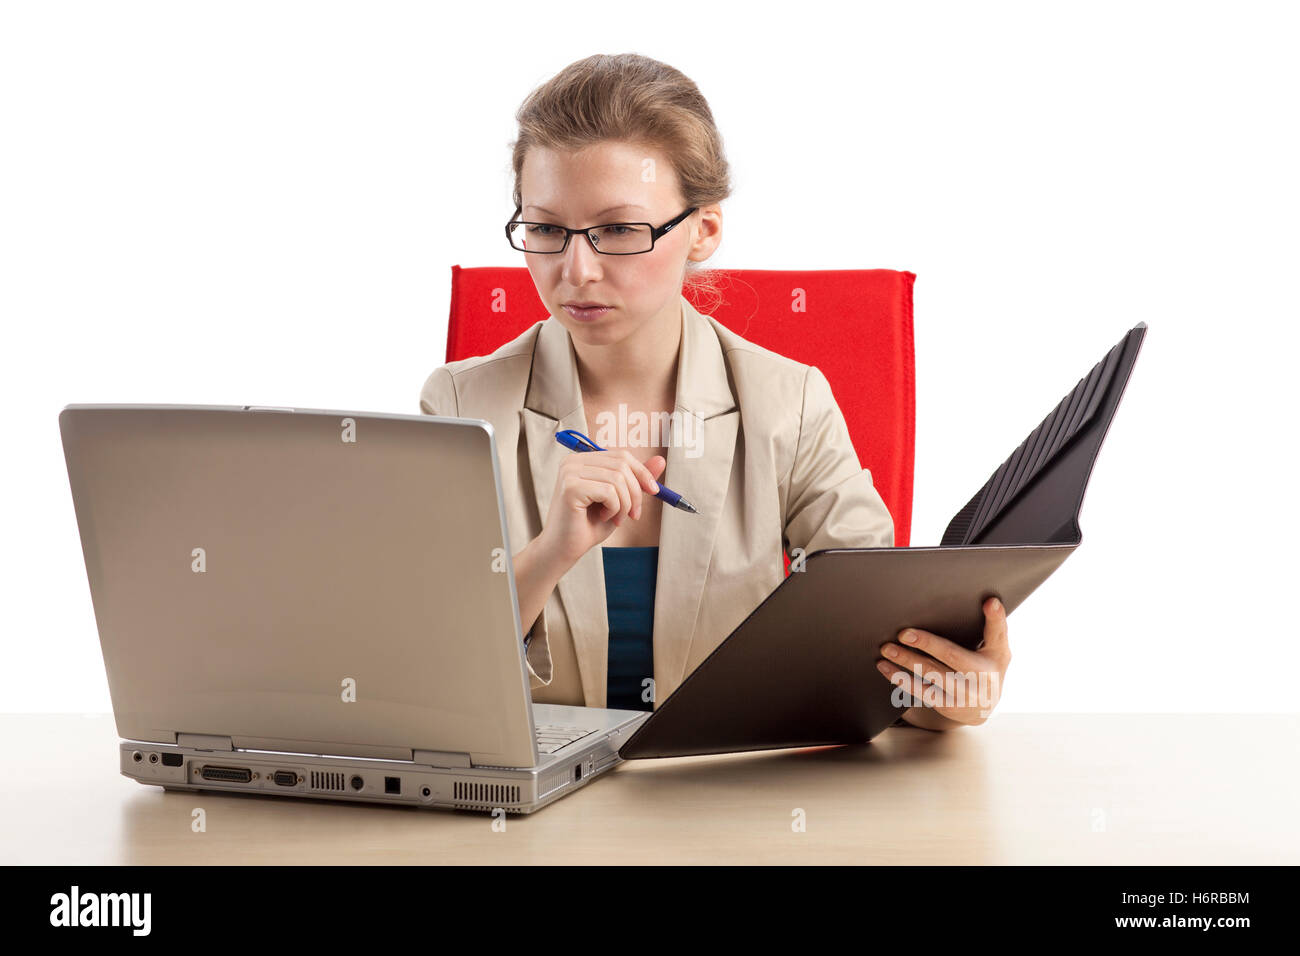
(626, 205)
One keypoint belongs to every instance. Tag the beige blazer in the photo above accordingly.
(770, 464)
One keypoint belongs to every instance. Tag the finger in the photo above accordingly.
(645, 477)
(633, 485)
(916, 686)
(944, 692)
(602, 472)
(941, 649)
(656, 464)
(581, 487)
(629, 485)
(995, 640)
(915, 661)
(585, 492)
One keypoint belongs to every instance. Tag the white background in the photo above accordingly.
(259, 203)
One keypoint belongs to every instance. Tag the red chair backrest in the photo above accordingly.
(853, 324)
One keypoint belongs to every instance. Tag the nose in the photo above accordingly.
(581, 261)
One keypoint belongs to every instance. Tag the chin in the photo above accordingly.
(602, 333)
(609, 328)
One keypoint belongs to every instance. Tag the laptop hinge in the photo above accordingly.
(440, 758)
(204, 742)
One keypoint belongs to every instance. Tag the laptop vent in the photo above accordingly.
(555, 781)
(322, 780)
(493, 794)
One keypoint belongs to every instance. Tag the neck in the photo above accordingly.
(642, 365)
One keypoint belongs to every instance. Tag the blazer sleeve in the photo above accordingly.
(831, 501)
(438, 397)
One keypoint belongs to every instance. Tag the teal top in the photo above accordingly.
(630, 599)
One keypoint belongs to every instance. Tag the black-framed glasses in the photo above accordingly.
(610, 239)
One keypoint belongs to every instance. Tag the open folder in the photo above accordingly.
(800, 670)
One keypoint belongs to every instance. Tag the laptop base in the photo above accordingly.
(516, 790)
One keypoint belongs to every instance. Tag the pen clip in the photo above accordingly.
(578, 438)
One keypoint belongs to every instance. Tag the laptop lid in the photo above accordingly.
(307, 581)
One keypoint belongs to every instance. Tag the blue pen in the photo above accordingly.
(576, 441)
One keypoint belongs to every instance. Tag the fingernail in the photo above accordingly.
(909, 637)
(994, 606)
(891, 652)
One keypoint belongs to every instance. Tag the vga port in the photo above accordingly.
(232, 774)
(285, 778)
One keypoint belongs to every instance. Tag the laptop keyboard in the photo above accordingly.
(551, 737)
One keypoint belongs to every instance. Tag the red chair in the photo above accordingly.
(857, 328)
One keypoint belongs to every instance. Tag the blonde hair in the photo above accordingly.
(635, 99)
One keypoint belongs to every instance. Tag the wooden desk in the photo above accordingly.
(1024, 788)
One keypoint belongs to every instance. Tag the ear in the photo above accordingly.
(706, 232)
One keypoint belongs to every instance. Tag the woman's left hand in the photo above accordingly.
(957, 686)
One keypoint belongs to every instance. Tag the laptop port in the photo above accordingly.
(357, 783)
(285, 778)
(172, 760)
(577, 772)
(232, 774)
(392, 785)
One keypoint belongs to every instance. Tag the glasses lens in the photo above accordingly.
(536, 237)
(621, 239)
(618, 239)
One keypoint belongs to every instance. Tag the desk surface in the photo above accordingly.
(1023, 788)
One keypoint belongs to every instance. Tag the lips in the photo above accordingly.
(587, 311)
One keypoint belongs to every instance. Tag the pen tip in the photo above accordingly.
(687, 506)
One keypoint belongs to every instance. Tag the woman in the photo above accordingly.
(620, 596)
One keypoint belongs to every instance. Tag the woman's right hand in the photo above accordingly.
(595, 492)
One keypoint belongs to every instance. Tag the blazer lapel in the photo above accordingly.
(700, 451)
(553, 403)
(706, 423)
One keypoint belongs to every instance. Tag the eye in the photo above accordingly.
(537, 229)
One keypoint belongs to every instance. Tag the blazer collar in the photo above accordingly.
(702, 384)
(553, 401)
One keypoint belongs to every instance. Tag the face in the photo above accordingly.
(612, 182)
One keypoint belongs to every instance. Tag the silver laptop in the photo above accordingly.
(319, 604)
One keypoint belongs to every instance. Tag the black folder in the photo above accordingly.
(800, 670)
